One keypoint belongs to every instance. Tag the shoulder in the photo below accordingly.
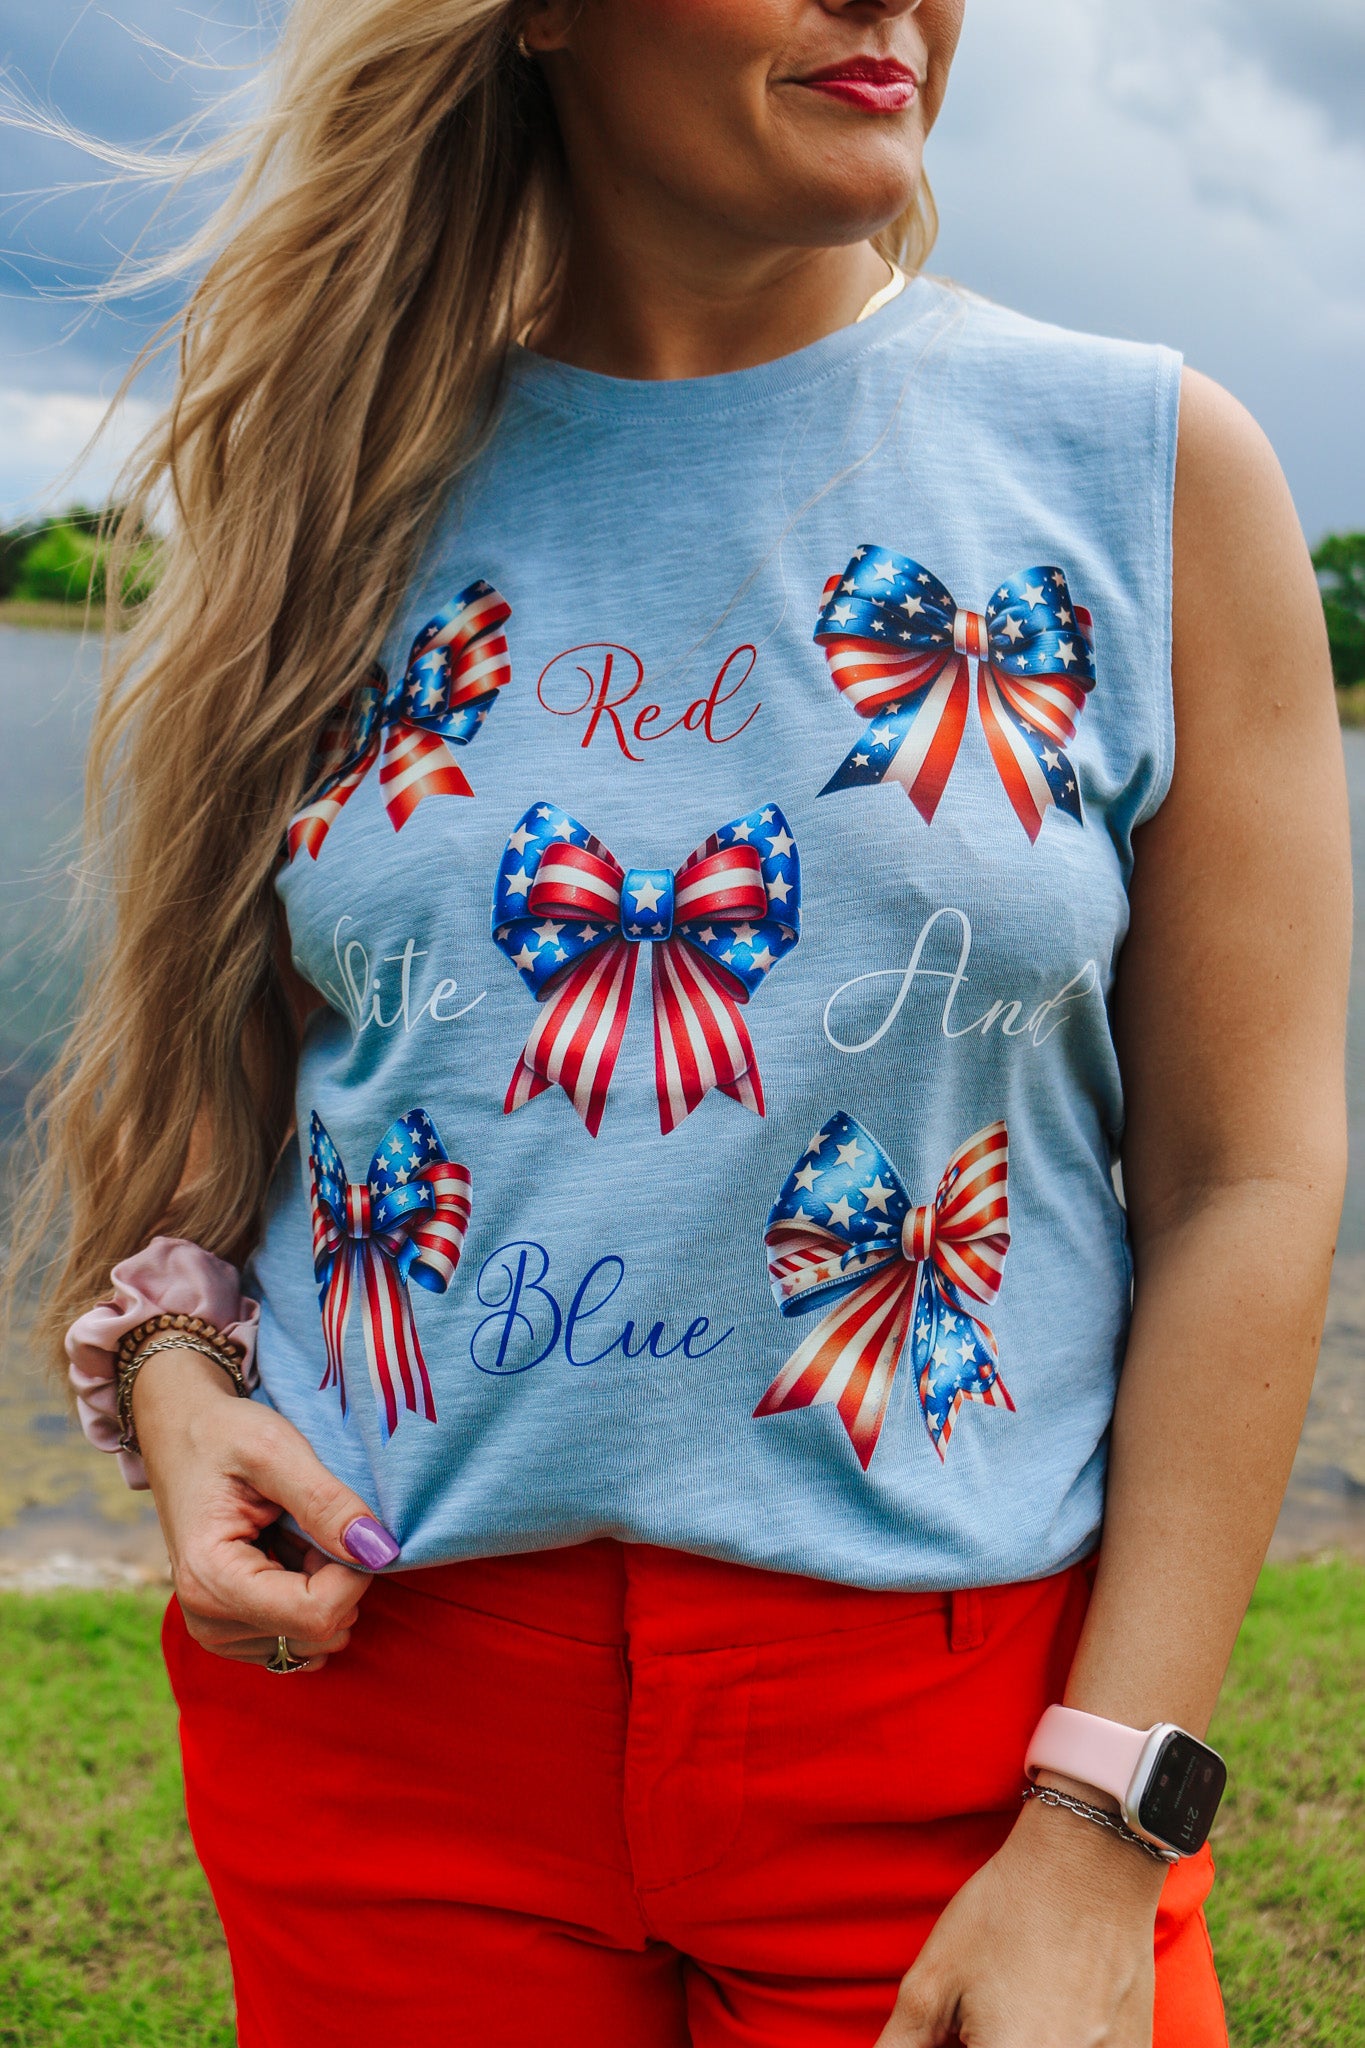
(1076, 398)
(1229, 487)
(1249, 645)
(981, 327)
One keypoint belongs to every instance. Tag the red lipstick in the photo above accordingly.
(875, 85)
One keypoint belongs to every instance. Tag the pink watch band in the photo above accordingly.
(1101, 1753)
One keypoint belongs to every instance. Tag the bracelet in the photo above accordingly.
(1102, 1819)
(186, 1333)
(194, 1326)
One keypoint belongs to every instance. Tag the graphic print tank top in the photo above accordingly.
(709, 1139)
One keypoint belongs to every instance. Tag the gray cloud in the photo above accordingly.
(129, 73)
(1314, 47)
(1146, 172)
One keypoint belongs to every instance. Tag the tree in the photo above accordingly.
(1340, 563)
(59, 567)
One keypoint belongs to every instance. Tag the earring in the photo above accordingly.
(521, 46)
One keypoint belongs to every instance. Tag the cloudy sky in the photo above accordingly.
(1191, 171)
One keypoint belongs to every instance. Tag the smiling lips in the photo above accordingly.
(875, 85)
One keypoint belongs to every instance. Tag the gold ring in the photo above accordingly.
(282, 1661)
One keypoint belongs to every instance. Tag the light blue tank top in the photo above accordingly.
(710, 1137)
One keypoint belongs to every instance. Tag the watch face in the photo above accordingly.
(1182, 1793)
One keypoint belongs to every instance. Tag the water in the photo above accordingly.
(65, 1514)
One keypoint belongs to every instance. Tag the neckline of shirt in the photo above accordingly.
(572, 389)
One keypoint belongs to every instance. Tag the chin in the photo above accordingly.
(835, 213)
(846, 188)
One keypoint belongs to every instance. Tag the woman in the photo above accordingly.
(699, 1619)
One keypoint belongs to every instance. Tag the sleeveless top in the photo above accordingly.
(710, 1139)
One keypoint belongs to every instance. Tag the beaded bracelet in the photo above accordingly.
(1101, 1817)
(170, 1333)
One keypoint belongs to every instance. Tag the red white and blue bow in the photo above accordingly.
(572, 920)
(899, 651)
(844, 1232)
(459, 662)
(405, 1221)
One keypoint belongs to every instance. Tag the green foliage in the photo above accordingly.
(59, 567)
(1340, 563)
(63, 561)
(108, 1936)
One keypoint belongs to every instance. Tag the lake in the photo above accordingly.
(66, 1517)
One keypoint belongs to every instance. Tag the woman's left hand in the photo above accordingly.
(1049, 1945)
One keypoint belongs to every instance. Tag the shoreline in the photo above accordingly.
(48, 616)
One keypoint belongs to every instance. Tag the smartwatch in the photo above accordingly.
(1168, 1783)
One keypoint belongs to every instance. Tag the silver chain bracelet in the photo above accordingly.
(1101, 1817)
(177, 1340)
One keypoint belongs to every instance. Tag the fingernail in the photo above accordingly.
(369, 1543)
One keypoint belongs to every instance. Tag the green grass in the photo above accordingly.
(108, 1937)
(1288, 1912)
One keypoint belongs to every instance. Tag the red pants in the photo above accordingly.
(617, 1797)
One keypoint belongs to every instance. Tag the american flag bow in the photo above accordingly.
(405, 1221)
(844, 1236)
(572, 920)
(900, 650)
(459, 662)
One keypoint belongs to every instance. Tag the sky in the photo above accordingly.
(1185, 171)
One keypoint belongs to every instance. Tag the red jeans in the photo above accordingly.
(619, 1797)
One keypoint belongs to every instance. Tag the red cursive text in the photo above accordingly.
(602, 685)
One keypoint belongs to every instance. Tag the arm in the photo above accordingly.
(1230, 1022)
(221, 1470)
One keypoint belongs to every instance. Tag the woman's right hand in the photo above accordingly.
(221, 1471)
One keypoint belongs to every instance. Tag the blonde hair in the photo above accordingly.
(396, 221)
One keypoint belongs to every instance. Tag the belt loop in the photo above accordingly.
(966, 1628)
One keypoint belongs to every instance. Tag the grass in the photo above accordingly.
(1351, 704)
(45, 612)
(108, 1936)
(1288, 1913)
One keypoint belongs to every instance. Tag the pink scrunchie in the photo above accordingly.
(170, 1274)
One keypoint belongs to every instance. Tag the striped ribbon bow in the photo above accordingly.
(459, 662)
(899, 650)
(571, 919)
(405, 1221)
(844, 1232)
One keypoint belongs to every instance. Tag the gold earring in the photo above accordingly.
(521, 46)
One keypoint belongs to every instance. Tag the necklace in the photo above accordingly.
(892, 289)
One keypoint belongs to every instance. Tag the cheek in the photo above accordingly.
(710, 40)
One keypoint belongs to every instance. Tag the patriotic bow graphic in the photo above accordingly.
(405, 1221)
(899, 651)
(844, 1236)
(459, 662)
(572, 920)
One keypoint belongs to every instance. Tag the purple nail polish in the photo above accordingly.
(369, 1543)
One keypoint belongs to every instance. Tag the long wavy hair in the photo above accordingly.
(396, 220)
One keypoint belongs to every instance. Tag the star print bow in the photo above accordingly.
(572, 920)
(899, 650)
(459, 662)
(843, 1231)
(405, 1221)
